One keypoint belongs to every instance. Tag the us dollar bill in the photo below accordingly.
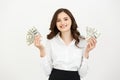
(31, 33)
(92, 32)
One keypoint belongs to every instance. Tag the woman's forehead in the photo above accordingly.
(63, 15)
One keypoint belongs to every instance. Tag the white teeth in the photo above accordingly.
(63, 26)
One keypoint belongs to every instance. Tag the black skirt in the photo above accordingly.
(64, 75)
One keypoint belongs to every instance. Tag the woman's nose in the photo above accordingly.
(62, 22)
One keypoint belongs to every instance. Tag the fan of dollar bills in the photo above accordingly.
(31, 35)
(92, 32)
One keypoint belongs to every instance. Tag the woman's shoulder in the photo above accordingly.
(50, 40)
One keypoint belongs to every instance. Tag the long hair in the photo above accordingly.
(53, 28)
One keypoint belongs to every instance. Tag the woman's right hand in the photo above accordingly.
(39, 45)
(37, 42)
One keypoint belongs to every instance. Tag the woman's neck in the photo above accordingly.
(66, 37)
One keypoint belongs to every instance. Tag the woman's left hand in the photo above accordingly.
(91, 43)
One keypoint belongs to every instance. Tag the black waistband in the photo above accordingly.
(66, 71)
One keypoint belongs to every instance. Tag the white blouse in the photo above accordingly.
(64, 57)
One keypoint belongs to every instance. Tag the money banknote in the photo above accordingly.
(92, 32)
(31, 33)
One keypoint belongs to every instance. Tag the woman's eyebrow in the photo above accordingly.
(65, 17)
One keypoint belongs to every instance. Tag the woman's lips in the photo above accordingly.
(63, 26)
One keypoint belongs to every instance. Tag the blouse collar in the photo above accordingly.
(61, 40)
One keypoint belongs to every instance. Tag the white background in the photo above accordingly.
(21, 62)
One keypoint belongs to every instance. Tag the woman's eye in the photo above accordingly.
(66, 19)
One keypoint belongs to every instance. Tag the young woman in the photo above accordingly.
(66, 53)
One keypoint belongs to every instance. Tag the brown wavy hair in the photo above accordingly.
(53, 28)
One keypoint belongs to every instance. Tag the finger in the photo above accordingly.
(91, 43)
(93, 40)
(36, 40)
(89, 47)
(38, 37)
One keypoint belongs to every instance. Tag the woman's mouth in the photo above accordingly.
(63, 26)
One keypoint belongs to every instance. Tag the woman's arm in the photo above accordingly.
(45, 56)
(91, 43)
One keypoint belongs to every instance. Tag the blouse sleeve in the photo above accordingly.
(83, 69)
(46, 62)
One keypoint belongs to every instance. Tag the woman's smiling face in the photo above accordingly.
(63, 22)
